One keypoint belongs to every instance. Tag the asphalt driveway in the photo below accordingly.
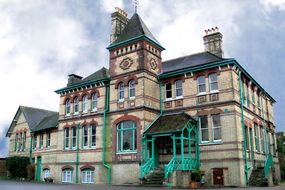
(23, 185)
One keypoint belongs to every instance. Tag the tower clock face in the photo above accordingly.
(126, 63)
(153, 64)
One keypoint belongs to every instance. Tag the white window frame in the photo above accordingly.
(84, 104)
(48, 135)
(24, 141)
(76, 104)
(67, 176)
(178, 88)
(41, 141)
(132, 86)
(94, 102)
(67, 107)
(205, 129)
(121, 140)
(200, 84)
(212, 82)
(168, 90)
(84, 136)
(216, 127)
(73, 145)
(87, 176)
(121, 92)
(66, 138)
(92, 135)
(35, 142)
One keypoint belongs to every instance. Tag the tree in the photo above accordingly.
(281, 152)
(17, 166)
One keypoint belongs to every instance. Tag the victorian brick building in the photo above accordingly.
(145, 116)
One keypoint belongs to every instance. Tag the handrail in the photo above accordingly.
(268, 164)
(147, 167)
(179, 163)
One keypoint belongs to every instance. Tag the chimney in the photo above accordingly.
(119, 21)
(72, 79)
(213, 41)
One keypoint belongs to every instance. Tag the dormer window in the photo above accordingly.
(213, 82)
(201, 85)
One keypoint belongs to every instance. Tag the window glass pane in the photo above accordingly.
(214, 86)
(205, 135)
(216, 120)
(93, 135)
(202, 88)
(121, 91)
(201, 80)
(217, 134)
(94, 101)
(84, 103)
(168, 90)
(132, 88)
(66, 137)
(213, 77)
(85, 136)
(204, 121)
(75, 105)
(178, 88)
(126, 136)
(67, 107)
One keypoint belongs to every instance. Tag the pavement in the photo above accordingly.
(23, 185)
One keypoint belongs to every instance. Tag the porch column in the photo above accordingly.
(182, 149)
(174, 146)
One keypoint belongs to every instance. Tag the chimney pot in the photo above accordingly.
(213, 41)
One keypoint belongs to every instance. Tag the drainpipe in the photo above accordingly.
(108, 167)
(77, 152)
(243, 128)
(265, 130)
(31, 147)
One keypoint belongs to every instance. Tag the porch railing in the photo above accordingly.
(147, 167)
(179, 163)
(268, 164)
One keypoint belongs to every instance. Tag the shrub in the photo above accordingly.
(17, 166)
(196, 175)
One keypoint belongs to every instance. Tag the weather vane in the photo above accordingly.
(136, 3)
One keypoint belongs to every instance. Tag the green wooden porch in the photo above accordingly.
(183, 131)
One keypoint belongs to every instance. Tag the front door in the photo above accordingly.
(218, 177)
(39, 168)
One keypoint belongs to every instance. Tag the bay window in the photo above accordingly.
(126, 136)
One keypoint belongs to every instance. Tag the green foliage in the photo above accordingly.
(281, 153)
(17, 166)
(31, 168)
(196, 175)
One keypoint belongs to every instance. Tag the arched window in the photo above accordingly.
(94, 101)
(126, 136)
(85, 136)
(132, 90)
(87, 176)
(84, 104)
(76, 105)
(67, 107)
(201, 85)
(46, 173)
(121, 91)
(213, 82)
(67, 175)
(178, 89)
(168, 90)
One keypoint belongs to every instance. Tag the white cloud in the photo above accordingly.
(273, 3)
(109, 6)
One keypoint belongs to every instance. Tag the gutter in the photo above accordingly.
(108, 167)
(243, 128)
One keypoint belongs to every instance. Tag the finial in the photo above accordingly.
(136, 4)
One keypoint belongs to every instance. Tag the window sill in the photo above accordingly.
(75, 113)
(94, 110)
(121, 100)
(168, 100)
(178, 98)
(210, 143)
(88, 182)
(127, 152)
(201, 94)
(132, 98)
(214, 92)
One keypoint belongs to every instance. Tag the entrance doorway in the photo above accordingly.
(218, 176)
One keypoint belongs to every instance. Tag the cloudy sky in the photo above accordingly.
(42, 41)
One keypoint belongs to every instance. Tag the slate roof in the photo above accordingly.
(189, 61)
(172, 122)
(37, 119)
(135, 28)
(101, 73)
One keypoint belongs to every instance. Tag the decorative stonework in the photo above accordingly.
(126, 63)
(153, 64)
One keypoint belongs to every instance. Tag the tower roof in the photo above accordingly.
(135, 29)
